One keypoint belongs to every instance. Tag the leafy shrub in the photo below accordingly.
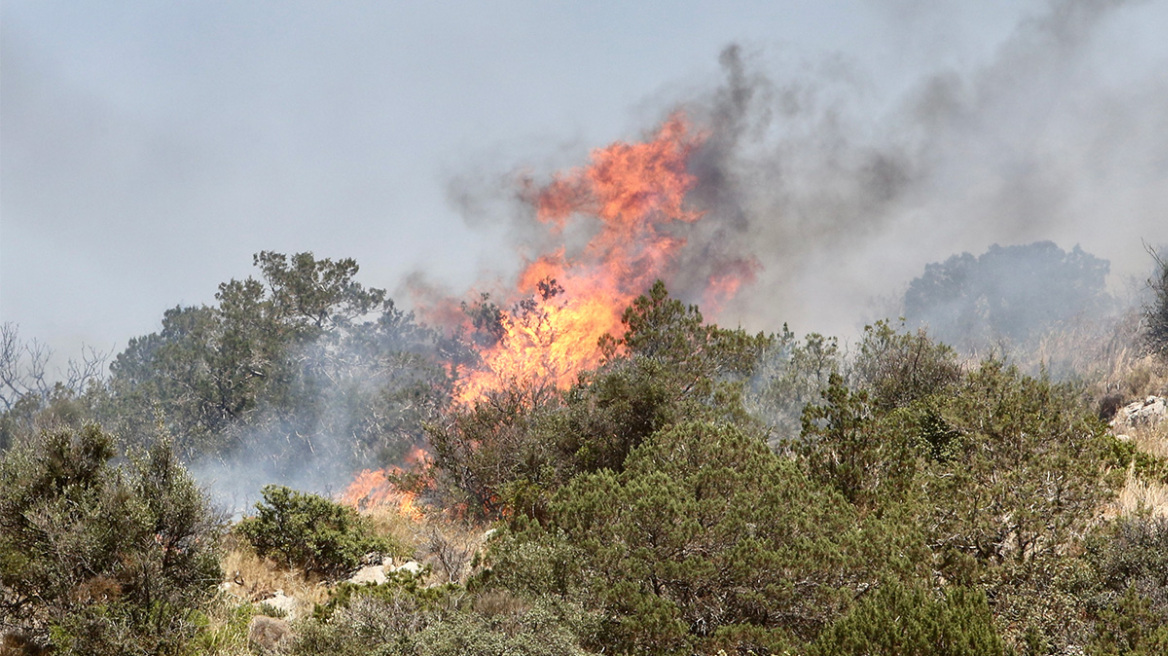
(896, 620)
(900, 367)
(1130, 562)
(791, 374)
(705, 528)
(401, 617)
(518, 446)
(102, 560)
(1025, 467)
(309, 532)
(1130, 627)
(847, 445)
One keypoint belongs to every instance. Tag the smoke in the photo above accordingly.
(832, 198)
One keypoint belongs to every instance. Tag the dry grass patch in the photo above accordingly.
(254, 579)
(1152, 440)
(1139, 496)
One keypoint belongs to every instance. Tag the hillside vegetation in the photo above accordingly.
(703, 491)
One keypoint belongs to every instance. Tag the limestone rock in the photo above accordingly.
(290, 606)
(374, 574)
(1147, 413)
(411, 567)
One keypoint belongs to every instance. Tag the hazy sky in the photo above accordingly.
(148, 149)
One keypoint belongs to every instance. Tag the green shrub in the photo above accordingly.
(896, 620)
(309, 532)
(1130, 564)
(96, 559)
(705, 528)
(403, 618)
(899, 367)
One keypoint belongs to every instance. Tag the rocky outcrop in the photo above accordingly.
(378, 574)
(1140, 414)
(291, 607)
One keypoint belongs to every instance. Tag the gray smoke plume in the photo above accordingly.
(841, 206)
(833, 199)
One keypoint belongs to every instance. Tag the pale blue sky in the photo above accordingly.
(147, 149)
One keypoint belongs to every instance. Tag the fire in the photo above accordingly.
(631, 199)
(374, 488)
(630, 193)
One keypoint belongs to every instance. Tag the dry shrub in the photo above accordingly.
(401, 529)
(253, 578)
(448, 545)
(1151, 439)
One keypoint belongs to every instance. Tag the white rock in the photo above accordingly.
(290, 605)
(374, 574)
(1149, 412)
(412, 567)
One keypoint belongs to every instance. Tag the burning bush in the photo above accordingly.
(518, 445)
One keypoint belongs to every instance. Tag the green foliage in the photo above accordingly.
(303, 364)
(112, 560)
(1130, 562)
(1023, 473)
(515, 448)
(1026, 472)
(868, 458)
(791, 374)
(1146, 466)
(1130, 627)
(309, 532)
(900, 367)
(406, 618)
(704, 528)
(896, 620)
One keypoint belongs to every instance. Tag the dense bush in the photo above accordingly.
(1026, 470)
(900, 367)
(791, 373)
(402, 617)
(1129, 559)
(309, 532)
(99, 559)
(704, 530)
(304, 364)
(896, 620)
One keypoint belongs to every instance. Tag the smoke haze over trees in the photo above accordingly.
(731, 445)
(837, 137)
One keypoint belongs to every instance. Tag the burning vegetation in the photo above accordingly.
(586, 464)
(567, 300)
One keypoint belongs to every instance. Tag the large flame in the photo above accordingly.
(550, 328)
(631, 193)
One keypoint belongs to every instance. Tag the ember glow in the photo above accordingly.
(630, 195)
(374, 488)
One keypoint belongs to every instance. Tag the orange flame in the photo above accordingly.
(635, 191)
(374, 488)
